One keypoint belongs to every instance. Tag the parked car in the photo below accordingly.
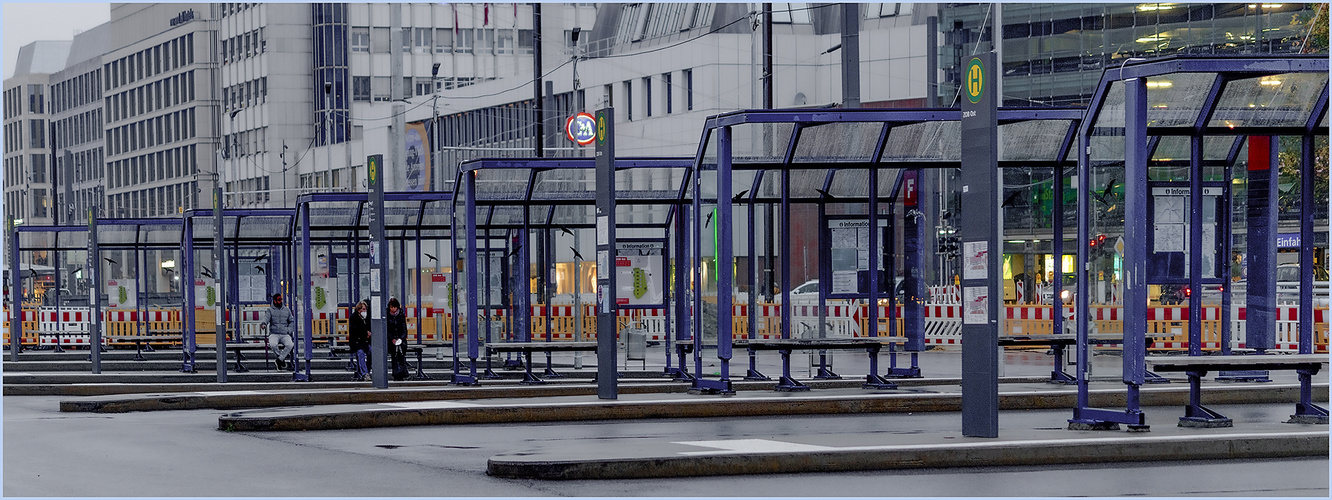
(1288, 285)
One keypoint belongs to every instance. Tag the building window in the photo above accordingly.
(647, 96)
(463, 43)
(360, 39)
(666, 88)
(379, 41)
(689, 89)
(629, 100)
(424, 87)
(37, 133)
(379, 88)
(485, 40)
(360, 88)
(424, 41)
(38, 165)
(504, 43)
(790, 13)
(526, 41)
(36, 99)
(443, 40)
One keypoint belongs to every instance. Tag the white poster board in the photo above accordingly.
(639, 271)
(122, 294)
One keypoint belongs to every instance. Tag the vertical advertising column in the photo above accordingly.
(220, 278)
(980, 250)
(607, 385)
(1260, 301)
(378, 278)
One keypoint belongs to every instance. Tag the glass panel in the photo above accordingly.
(838, 142)
(1112, 108)
(852, 184)
(566, 184)
(1032, 140)
(502, 183)
(1175, 100)
(161, 234)
(804, 182)
(342, 215)
(759, 142)
(927, 141)
(400, 216)
(1172, 148)
(887, 176)
(572, 215)
(72, 239)
(1215, 148)
(277, 227)
(1107, 147)
(1269, 101)
(108, 234)
(657, 214)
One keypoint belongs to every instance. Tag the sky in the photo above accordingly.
(22, 23)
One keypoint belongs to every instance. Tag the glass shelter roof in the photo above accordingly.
(828, 152)
(560, 192)
(334, 215)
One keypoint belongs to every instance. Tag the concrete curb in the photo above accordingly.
(989, 454)
(389, 415)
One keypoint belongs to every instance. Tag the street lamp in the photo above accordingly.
(434, 126)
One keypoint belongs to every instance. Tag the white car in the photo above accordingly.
(1288, 286)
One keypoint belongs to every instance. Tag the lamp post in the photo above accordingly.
(434, 128)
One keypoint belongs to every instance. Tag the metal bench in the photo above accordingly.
(1058, 342)
(57, 333)
(1197, 415)
(786, 383)
(526, 349)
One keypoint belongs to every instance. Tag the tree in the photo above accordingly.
(1315, 25)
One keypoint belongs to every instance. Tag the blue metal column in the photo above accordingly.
(1195, 244)
(469, 233)
(1307, 246)
(695, 267)
(303, 274)
(1261, 311)
(1057, 267)
(680, 294)
(221, 270)
(913, 274)
(725, 260)
(420, 318)
(189, 346)
(1135, 230)
(752, 372)
(1227, 246)
(872, 379)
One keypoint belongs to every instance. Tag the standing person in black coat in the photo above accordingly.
(358, 338)
(397, 335)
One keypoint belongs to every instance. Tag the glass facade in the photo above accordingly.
(1053, 54)
(331, 74)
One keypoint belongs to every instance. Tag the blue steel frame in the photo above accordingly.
(190, 242)
(140, 248)
(465, 193)
(889, 118)
(16, 331)
(1141, 139)
(354, 240)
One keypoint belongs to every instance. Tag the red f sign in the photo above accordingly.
(909, 189)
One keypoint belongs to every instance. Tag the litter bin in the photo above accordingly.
(635, 346)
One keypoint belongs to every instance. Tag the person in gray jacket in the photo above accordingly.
(279, 322)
